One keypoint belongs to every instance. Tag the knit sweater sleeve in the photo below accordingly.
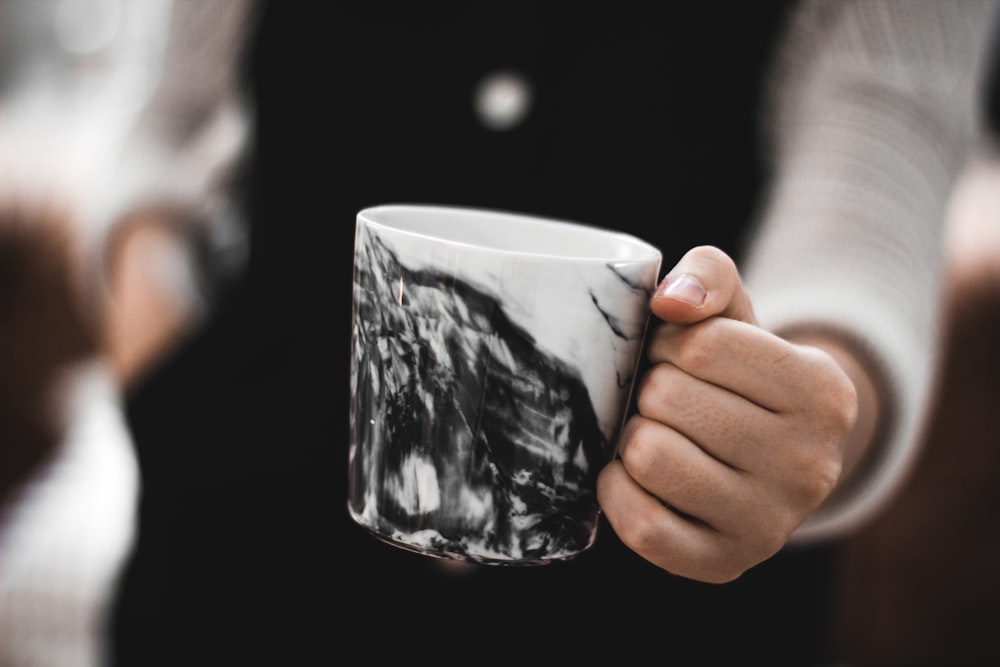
(872, 109)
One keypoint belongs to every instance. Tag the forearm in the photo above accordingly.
(876, 108)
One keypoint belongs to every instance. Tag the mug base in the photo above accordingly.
(471, 558)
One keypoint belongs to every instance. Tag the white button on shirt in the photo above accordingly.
(503, 100)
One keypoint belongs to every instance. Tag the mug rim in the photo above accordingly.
(592, 242)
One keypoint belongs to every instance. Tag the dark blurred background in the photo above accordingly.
(643, 120)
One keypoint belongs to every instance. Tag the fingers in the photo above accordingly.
(738, 437)
(744, 359)
(704, 282)
(749, 398)
(685, 511)
(790, 456)
(739, 434)
(669, 538)
(651, 529)
(679, 472)
(727, 427)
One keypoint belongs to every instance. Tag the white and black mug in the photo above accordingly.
(493, 358)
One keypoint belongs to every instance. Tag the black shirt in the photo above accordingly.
(642, 121)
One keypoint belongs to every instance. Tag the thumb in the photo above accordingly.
(705, 282)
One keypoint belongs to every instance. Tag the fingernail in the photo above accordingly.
(683, 288)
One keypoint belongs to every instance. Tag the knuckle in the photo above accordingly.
(826, 477)
(655, 390)
(638, 451)
(698, 347)
(725, 568)
(817, 480)
(762, 539)
(638, 532)
(843, 412)
(649, 389)
(838, 402)
(774, 538)
(715, 256)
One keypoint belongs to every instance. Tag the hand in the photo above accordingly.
(739, 436)
(154, 296)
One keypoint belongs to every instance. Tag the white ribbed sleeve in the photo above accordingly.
(873, 109)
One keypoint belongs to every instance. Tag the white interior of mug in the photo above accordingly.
(510, 232)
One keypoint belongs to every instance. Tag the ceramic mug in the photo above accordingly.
(493, 359)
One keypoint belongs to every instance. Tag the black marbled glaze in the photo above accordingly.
(446, 383)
